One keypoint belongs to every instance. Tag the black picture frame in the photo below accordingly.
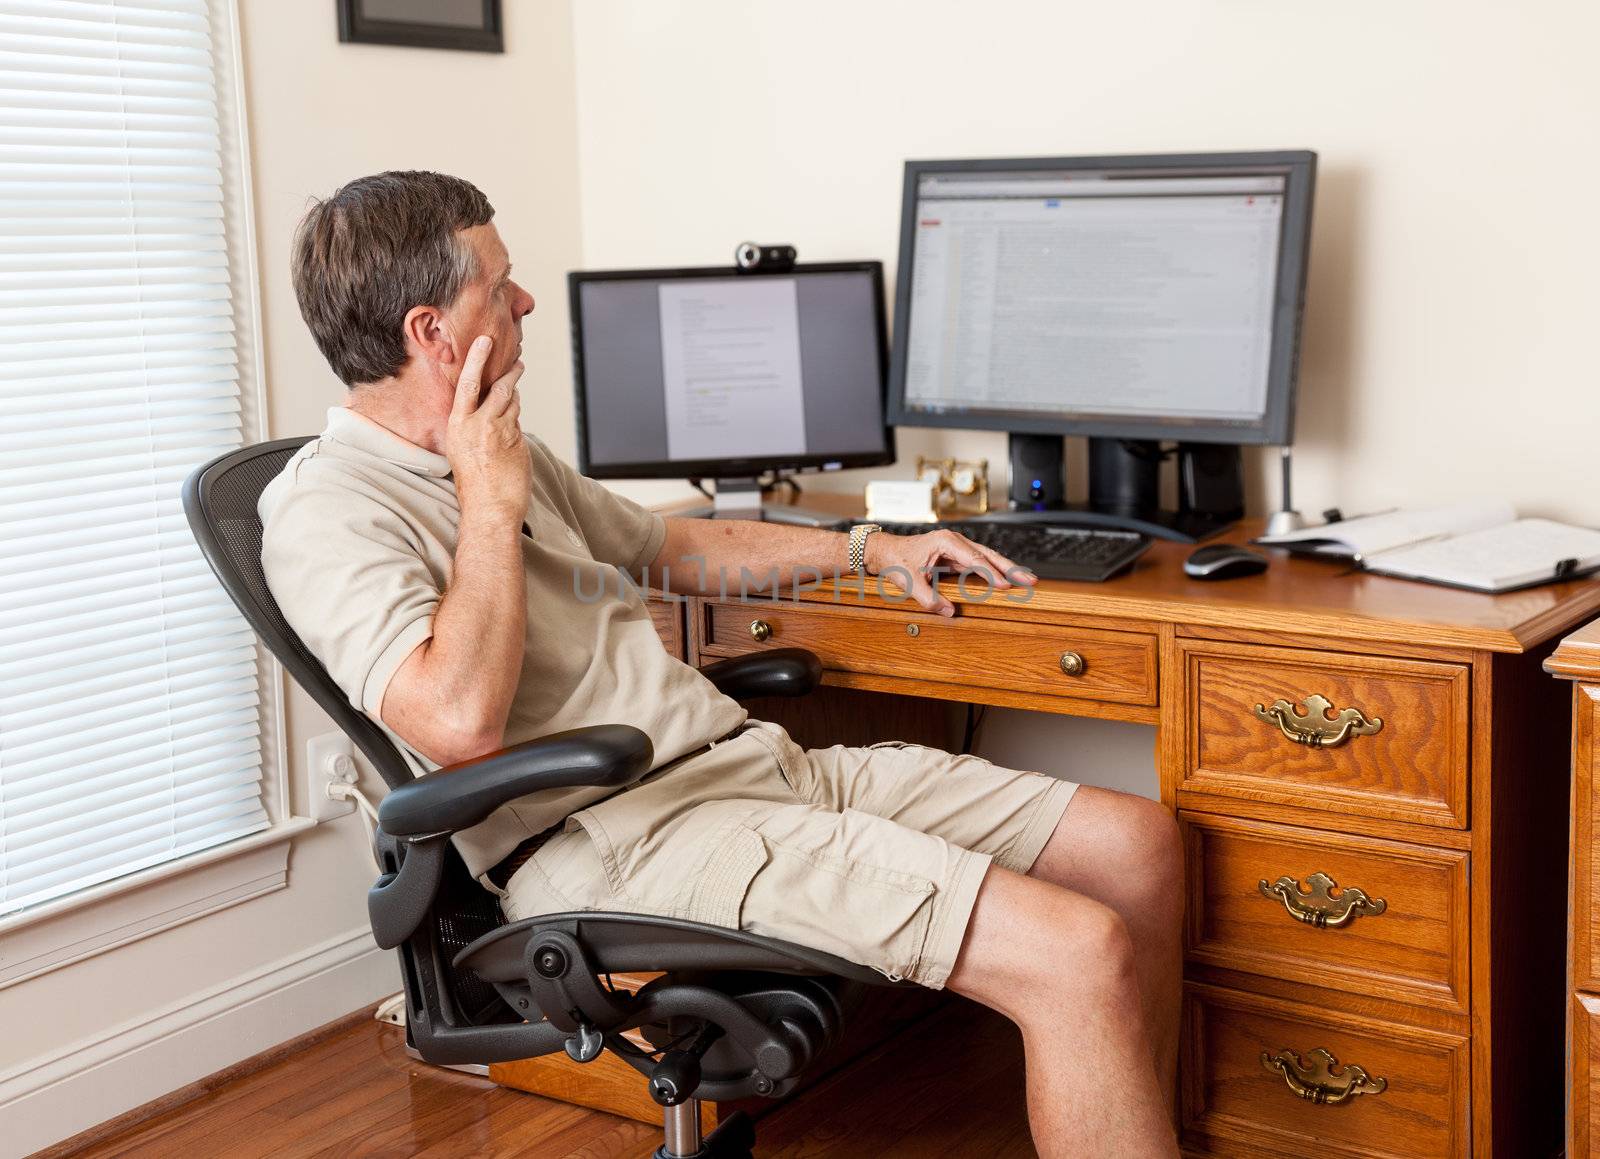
(355, 27)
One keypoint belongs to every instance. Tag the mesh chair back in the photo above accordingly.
(220, 502)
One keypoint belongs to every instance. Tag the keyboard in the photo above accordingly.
(1048, 551)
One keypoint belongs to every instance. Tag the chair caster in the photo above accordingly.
(734, 1138)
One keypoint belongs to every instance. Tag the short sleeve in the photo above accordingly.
(618, 531)
(358, 594)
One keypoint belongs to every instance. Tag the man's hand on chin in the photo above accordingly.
(483, 441)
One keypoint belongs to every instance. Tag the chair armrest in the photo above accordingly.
(458, 796)
(780, 672)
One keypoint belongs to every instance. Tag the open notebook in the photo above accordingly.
(1482, 546)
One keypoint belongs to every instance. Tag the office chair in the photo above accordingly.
(731, 1016)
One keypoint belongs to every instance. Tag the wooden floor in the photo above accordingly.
(950, 1086)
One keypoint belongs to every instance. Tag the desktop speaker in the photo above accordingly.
(1211, 480)
(1037, 477)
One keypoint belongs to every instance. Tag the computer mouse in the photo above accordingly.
(1218, 561)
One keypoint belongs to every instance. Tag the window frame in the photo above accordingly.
(125, 909)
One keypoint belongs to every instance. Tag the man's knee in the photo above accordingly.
(1029, 936)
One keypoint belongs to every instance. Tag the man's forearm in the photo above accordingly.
(707, 556)
(475, 657)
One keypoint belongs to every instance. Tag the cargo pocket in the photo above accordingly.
(600, 841)
(718, 896)
(869, 914)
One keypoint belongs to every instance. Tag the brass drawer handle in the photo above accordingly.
(1322, 910)
(1073, 664)
(760, 630)
(1322, 1081)
(1314, 726)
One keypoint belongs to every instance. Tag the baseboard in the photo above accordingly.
(46, 1099)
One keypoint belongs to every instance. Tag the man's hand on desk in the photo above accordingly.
(918, 558)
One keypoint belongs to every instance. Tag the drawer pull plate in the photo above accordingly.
(1322, 1080)
(1317, 906)
(760, 630)
(1315, 727)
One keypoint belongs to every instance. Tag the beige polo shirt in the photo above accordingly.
(359, 537)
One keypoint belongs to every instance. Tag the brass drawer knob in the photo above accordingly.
(913, 629)
(1315, 727)
(1322, 1080)
(760, 630)
(1073, 664)
(1317, 906)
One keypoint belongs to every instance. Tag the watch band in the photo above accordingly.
(858, 545)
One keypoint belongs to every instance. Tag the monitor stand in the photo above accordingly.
(742, 499)
(1124, 490)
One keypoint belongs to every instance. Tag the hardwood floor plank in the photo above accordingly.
(951, 1085)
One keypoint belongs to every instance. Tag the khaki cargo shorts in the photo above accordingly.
(874, 854)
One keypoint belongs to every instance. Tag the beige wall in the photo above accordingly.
(1448, 343)
(321, 113)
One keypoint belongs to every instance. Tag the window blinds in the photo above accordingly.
(129, 694)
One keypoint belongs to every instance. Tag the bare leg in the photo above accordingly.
(1125, 852)
(1061, 966)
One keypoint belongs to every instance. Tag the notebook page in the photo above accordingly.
(1496, 557)
(1370, 534)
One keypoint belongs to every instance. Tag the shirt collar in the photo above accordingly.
(353, 430)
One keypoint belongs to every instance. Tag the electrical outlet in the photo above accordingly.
(330, 758)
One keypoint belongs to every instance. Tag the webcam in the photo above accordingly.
(753, 258)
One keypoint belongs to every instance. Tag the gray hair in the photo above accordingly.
(366, 256)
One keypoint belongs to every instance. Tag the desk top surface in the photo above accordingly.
(1294, 595)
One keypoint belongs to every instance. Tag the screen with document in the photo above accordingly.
(715, 373)
(1102, 296)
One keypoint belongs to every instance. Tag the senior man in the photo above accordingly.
(431, 555)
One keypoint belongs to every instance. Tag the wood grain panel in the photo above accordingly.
(1585, 891)
(1414, 769)
(1583, 1075)
(1231, 1102)
(1119, 666)
(668, 615)
(1416, 950)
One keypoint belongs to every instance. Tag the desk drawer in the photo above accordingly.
(1088, 663)
(1232, 1102)
(1367, 736)
(1408, 941)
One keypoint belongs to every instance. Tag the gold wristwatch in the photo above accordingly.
(858, 545)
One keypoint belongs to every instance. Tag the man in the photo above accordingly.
(430, 554)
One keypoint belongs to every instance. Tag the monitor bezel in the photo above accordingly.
(1276, 425)
(729, 468)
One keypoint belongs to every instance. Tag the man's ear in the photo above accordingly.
(428, 336)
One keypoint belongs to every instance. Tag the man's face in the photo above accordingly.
(491, 303)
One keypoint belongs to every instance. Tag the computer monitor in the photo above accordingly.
(1131, 299)
(714, 373)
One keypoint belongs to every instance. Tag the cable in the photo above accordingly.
(975, 715)
(344, 791)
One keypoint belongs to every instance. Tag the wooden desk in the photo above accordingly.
(1578, 660)
(1451, 815)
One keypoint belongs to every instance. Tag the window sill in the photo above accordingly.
(126, 909)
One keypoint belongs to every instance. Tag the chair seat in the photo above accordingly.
(621, 943)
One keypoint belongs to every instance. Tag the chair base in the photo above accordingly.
(734, 1138)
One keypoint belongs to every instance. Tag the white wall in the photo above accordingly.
(320, 113)
(1452, 296)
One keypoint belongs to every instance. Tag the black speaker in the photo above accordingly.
(1037, 476)
(1125, 475)
(1211, 479)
